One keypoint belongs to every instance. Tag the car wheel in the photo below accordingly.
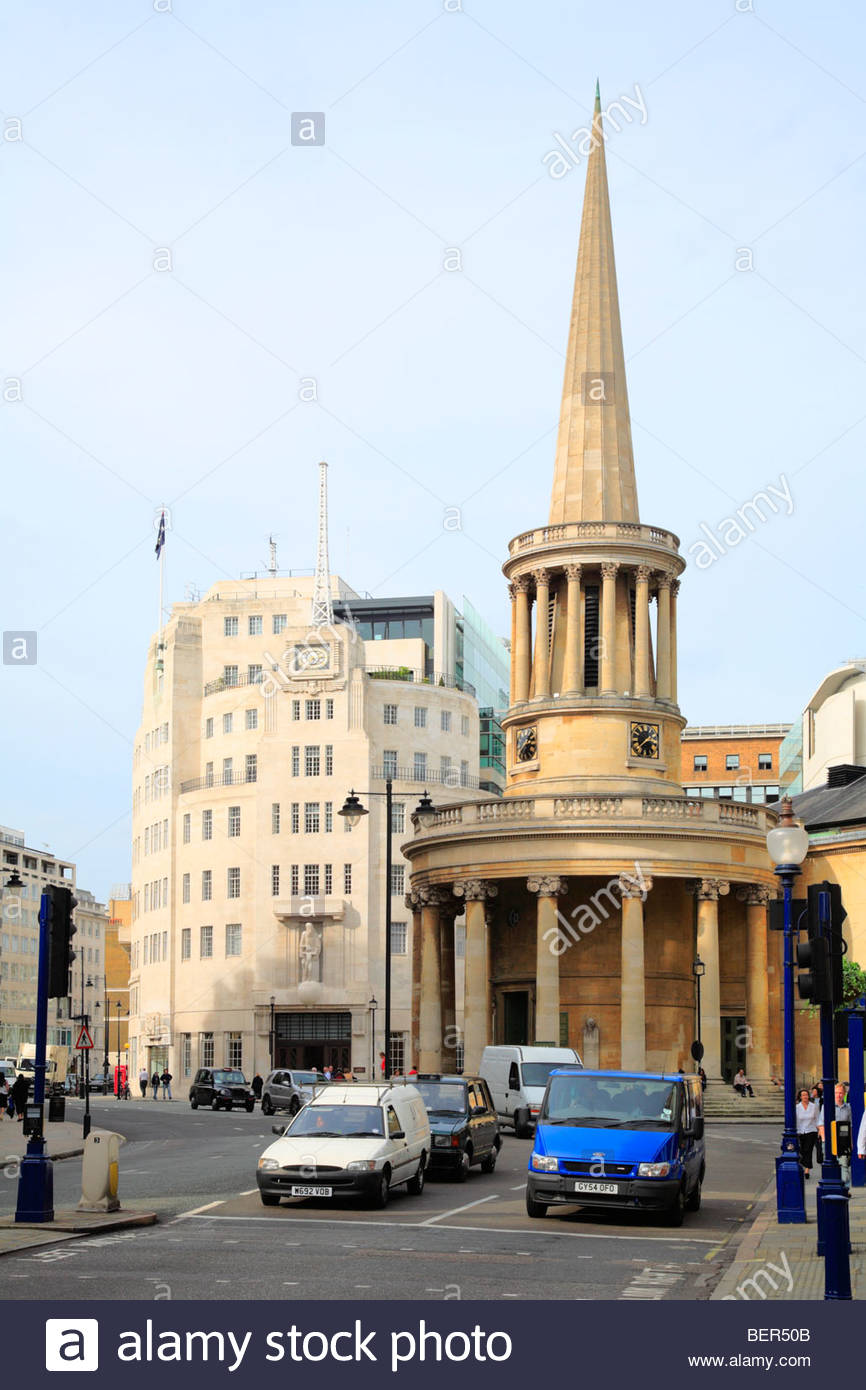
(270, 1199)
(214, 1105)
(461, 1172)
(267, 1106)
(489, 1163)
(415, 1186)
(676, 1211)
(379, 1199)
(533, 1206)
(193, 1105)
(693, 1201)
(295, 1106)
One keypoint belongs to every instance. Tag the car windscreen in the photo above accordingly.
(338, 1121)
(610, 1103)
(305, 1078)
(442, 1098)
(536, 1073)
(27, 1064)
(229, 1078)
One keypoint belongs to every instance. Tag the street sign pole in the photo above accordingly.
(36, 1175)
(85, 1045)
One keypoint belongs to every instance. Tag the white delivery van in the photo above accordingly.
(349, 1140)
(517, 1076)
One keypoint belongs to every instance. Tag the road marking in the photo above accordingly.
(291, 1283)
(473, 1230)
(363, 1286)
(443, 1216)
(249, 1192)
(197, 1210)
(519, 1188)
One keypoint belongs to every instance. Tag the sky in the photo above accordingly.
(197, 310)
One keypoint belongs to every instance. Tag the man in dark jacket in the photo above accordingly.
(257, 1086)
(18, 1095)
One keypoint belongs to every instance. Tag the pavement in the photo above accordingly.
(64, 1140)
(779, 1263)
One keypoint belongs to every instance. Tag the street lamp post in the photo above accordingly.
(353, 811)
(106, 1015)
(272, 1036)
(788, 845)
(373, 1006)
(84, 1020)
(698, 970)
(117, 1090)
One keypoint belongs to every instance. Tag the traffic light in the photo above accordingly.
(61, 929)
(820, 958)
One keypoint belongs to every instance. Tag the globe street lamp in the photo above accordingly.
(698, 970)
(788, 845)
(425, 814)
(373, 1006)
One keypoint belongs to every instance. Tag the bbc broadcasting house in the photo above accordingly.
(257, 932)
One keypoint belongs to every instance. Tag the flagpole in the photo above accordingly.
(159, 625)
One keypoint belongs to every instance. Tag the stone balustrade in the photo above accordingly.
(646, 811)
(593, 531)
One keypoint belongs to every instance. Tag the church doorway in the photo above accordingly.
(515, 1016)
(733, 1047)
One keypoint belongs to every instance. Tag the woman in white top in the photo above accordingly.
(807, 1129)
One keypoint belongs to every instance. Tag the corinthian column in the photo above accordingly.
(413, 901)
(675, 588)
(709, 890)
(430, 1021)
(546, 889)
(541, 685)
(448, 910)
(633, 976)
(476, 993)
(521, 656)
(512, 594)
(608, 629)
(757, 981)
(642, 686)
(663, 674)
(572, 676)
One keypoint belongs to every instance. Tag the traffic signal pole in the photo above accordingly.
(832, 1197)
(36, 1175)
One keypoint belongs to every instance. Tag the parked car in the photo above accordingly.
(463, 1123)
(288, 1090)
(517, 1076)
(7, 1069)
(611, 1139)
(348, 1140)
(102, 1082)
(220, 1088)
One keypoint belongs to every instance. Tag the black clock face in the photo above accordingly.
(527, 745)
(644, 740)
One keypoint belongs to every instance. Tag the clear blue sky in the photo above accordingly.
(143, 129)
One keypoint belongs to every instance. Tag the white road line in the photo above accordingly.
(473, 1230)
(196, 1211)
(519, 1188)
(444, 1215)
(249, 1192)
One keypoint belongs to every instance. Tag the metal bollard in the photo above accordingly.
(99, 1171)
(837, 1269)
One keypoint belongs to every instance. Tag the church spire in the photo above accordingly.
(594, 473)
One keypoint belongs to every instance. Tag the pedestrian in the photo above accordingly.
(807, 1129)
(861, 1138)
(165, 1080)
(742, 1085)
(382, 1063)
(18, 1095)
(703, 1075)
(328, 1073)
(154, 1085)
(142, 1081)
(843, 1115)
(4, 1094)
(257, 1086)
(816, 1095)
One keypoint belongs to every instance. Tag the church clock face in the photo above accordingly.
(527, 745)
(644, 740)
(312, 658)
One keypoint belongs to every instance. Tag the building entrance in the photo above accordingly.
(733, 1046)
(515, 1016)
(312, 1041)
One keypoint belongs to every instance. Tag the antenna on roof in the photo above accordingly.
(272, 562)
(323, 612)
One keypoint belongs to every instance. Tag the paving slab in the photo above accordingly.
(68, 1224)
(63, 1139)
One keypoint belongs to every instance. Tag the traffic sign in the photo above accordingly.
(85, 1041)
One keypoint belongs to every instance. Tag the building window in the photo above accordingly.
(147, 839)
(420, 717)
(251, 719)
(445, 721)
(206, 942)
(329, 817)
(311, 817)
(255, 674)
(186, 943)
(296, 760)
(445, 771)
(312, 709)
(230, 627)
(207, 825)
(732, 762)
(398, 818)
(419, 767)
(329, 760)
(294, 877)
(275, 880)
(700, 764)
(389, 762)
(185, 888)
(234, 821)
(296, 817)
(329, 879)
(186, 1053)
(347, 878)
(208, 728)
(464, 773)
(398, 938)
(235, 1046)
(312, 759)
(390, 714)
(280, 622)
(296, 709)
(187, 825)
(233, 883)
(311, 880)
(464, 725)
(329, 709)
(206, 885)
(459, 942)
(254, 625)
(398, 877)
(251, 767)
(230, 675)
(228, 721)
(771, 794)
(227, 772)
(765, 762)
(275, 818)
(205, 1049)
(233, 938)
(208, 774)
(726, 793)
(398, 1054)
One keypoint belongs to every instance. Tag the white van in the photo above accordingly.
(348, 1140)
(517, 1076)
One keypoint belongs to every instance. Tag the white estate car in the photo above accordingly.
(351, 1139)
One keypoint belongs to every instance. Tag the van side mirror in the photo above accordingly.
(399, 1134)
(695, 1130)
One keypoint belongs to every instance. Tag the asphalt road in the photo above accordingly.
(456, 1241)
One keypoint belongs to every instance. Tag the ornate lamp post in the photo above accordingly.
(373, 1006)
(698, 970)
(788, 845)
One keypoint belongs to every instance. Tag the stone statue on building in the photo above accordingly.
(310, 951)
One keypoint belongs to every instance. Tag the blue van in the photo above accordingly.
(626, 1140)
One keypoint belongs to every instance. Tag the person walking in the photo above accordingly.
(807, 1129)
(165, 1081)
(18, 1095)
(154, 1085)
(861, 1138)
(843, 1115)
(257, 1085)
(142, 1081)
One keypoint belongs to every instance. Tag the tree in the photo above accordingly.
(853, 983)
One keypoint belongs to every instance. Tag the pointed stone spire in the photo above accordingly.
(594, 474)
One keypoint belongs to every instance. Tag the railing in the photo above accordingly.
(453, 778)
(664, 812)
(587, 806)
(593, 530)
(511, 808)
(231, 779)
(214, 687)
(738, 814)
(679, 806)
(120, 892)
(735, 730)
(416, 677)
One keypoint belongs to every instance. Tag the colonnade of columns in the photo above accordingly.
(531, 664)
(434, 1023)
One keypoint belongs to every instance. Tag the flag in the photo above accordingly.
(160, 539)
